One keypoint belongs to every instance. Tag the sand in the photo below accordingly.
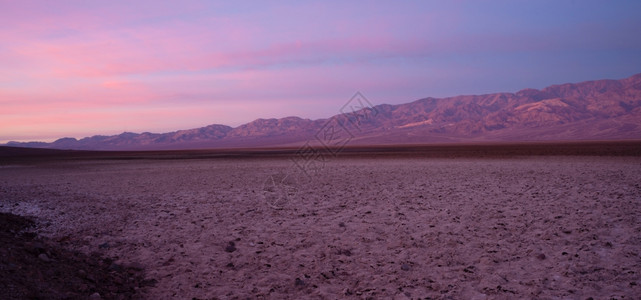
(387, 228)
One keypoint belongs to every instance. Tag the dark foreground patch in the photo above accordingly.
(33, 268)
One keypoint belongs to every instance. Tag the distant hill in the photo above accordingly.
(591, 110)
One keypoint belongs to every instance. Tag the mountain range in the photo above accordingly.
(591, 110)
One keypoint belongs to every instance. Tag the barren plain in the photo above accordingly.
(393, 227)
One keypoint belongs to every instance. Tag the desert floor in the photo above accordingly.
(381, 228)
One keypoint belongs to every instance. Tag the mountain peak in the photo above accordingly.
(591, 110)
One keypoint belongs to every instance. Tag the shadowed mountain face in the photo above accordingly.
(593, 110)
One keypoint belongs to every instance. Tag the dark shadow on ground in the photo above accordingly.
(34, 268)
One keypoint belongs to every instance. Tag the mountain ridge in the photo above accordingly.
(590, 110)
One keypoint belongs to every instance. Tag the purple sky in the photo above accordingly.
(80, 68)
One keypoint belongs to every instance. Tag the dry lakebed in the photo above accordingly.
(393, 227)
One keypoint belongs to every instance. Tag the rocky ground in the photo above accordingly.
(371, 228)
(36, 268)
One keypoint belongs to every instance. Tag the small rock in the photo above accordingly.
(341, 224)
(405, 267)
(345, 252)
(136, 266)
(104, 246)
(44, 257)
(541, 256)
(35, 247)
(82, 273)
(168, 262)
(231, 247)
(115, 267)
(299, 282)
(95, 296)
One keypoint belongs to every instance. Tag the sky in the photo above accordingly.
(82, 68)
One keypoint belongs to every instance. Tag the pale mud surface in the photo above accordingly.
(541, 228)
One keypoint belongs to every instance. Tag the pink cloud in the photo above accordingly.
(75, 44)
